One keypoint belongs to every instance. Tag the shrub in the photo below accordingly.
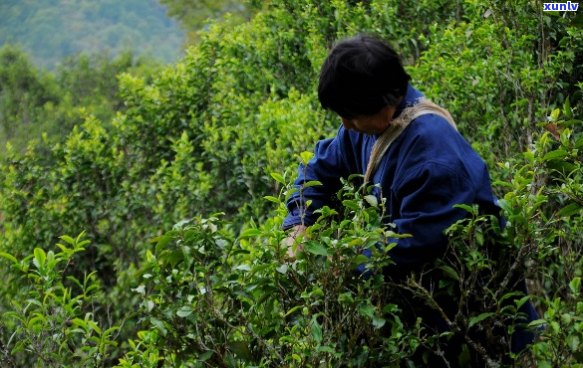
(208, 134)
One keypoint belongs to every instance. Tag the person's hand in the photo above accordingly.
(295, 232)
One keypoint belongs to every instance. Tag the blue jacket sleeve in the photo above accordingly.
(424, 207)
(327, 166)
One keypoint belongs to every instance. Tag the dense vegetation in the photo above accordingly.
(194, 15)
(52, 30)
(36, 103)
(174, 205)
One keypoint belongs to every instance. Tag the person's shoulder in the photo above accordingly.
(430, 125)
(430, 138)
(431, 132)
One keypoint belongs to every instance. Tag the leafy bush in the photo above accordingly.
(51, 319)
(211, 297)
(208, 135)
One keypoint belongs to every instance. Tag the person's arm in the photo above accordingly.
(327, 166)
(293, 248)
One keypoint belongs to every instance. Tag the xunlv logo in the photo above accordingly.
(568, 6)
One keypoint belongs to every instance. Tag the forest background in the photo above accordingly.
(141, 204)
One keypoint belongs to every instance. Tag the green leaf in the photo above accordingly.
(306, 156)
(573, 342)
(466, 207)
(570, 210)
(39, 257)
(316, 330)
(292, 310)
(449, 271)
(509, 295)
(94, 326)
(479, 318)
(356, 242)
(159, 325)
(311, 183)
(479, 237)
(378, 322)
(205, 356)
(68, 239)
(184, 312)
(181, 224)
(391, 308)
(345, 298)
(520, 302)
(277, 177)
(111, 330)
(555, 155)
(366, 310)
(555, 327)
(372, 200)
(360, 259)
(282, 269)
(249, 233)
(326, 349)
(162, 241)
(9, 257)
(350, 204)
(63, 248)
(537, 322)
(38, 320)
(567, 108)
(316, 249)
(575, 286)
(272, 199)
(80, 323)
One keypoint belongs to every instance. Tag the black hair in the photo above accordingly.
(360, 76)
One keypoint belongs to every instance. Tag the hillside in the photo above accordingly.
(52, 30)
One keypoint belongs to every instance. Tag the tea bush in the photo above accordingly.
(166, 281)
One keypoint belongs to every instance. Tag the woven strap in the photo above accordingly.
(397, 126)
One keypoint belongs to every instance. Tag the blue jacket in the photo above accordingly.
(428, 169)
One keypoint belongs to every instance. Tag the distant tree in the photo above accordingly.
(92, 81)
(24, 90)
(194, 14)
(34, 101)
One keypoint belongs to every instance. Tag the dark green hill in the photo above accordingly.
(52, 29)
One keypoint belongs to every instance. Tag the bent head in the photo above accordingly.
(363, 81)
(370, 124)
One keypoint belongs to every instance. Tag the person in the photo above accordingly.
(424, 170)
(427, 170)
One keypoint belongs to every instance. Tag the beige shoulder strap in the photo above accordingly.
(398, 125)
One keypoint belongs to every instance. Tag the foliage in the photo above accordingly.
(35, 102)
(51, 323)
(210, 134)
(194, 15)
(498, 91)
(545, 209)
(23, 92)
(249, 306)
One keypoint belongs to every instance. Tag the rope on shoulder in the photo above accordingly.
(397, 126)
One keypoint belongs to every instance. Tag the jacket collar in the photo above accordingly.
(411, 97)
